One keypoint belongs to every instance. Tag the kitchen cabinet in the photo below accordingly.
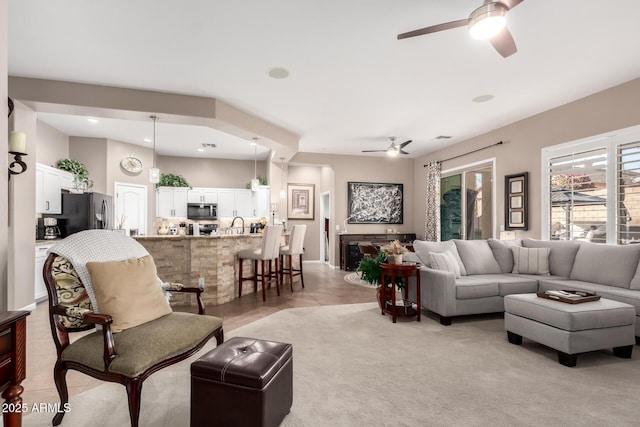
(262, 202)
(202, 195)
(171, 201)
(234, 202)
(40, 291)
(49, 183)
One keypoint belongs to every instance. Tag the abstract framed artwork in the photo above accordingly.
(300, 203)
(375, 203)
(515, 201)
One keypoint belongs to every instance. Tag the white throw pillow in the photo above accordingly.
(531, 260)
(444, 261)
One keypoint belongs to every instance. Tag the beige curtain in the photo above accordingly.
(432, 212)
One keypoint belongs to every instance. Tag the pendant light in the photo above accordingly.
(283, 194)
(255, 184)
(154, 172)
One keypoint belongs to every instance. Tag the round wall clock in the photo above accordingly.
(131, 164)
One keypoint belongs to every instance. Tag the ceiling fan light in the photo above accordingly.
(393, 151)
(488, 20)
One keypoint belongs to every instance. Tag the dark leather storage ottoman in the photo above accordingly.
(242, 382)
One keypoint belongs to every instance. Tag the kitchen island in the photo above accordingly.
(187, 259)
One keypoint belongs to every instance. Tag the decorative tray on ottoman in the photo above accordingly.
(570, 297)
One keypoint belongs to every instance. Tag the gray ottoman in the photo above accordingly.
(571, 328)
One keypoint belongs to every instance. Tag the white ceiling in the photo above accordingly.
(352, 83)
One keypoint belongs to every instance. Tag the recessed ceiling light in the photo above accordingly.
(278, 73)
(92, 120)
(147, 140)
(483, 98)
(201, 149)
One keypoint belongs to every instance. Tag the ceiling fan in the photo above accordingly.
(393, 149)
(486, 22)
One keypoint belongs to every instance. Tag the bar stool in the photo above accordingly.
(295, 247)
(268, 252)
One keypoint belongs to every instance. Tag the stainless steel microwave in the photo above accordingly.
(199, 211)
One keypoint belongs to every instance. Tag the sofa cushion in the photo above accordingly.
(531, 260)
(423, 248)
(606, 264)
(445, 261)
(561, 257)
(471, 288)
(502, 253)
(628, 296)
(129, 291)
(477, 257)
(511, 283)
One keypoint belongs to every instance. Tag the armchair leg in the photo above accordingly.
(60, 378)
(134, 390)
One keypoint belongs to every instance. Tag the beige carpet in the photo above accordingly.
(354, 367)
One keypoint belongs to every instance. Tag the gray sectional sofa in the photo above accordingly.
(488, 272)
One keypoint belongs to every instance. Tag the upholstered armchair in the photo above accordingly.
(138, 332)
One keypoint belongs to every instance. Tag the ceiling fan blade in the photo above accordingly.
(404, 144)
(504, 44)
(434, 29)
(511, 3)
(374, 151)
(403, 152)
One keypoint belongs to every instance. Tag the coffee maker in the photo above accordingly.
(50, 229)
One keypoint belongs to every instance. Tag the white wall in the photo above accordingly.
(4, 147)
(53, 145)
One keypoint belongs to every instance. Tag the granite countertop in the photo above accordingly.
(219, 236)
(47, 242)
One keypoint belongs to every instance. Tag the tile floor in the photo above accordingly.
(323, 286)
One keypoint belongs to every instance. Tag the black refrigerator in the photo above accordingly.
(84, 211)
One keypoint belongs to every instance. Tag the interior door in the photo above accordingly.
(131, 207)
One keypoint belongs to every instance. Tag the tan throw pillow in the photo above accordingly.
(129, 291)
(531, 260)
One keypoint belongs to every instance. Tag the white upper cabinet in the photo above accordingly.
(171, 201)
(262, 201)
(234, 202)
(203, 195)
(49, 183)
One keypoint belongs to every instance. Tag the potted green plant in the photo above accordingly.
(79, 171)
(261, 180)
(171, 180)
(371, 271)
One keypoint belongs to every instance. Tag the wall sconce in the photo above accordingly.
(17, 147)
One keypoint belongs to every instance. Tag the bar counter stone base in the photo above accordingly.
(186, 259)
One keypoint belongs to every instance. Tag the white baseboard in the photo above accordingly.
(29, 307)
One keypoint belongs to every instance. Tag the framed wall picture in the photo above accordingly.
(300, 203)
(515, 201)
(375, 203)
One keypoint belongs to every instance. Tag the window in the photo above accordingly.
(467, 214)
(628, 204)
(578, 196)
(591, 189)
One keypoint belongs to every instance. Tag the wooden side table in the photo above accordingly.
(13, 362)
(404, 270)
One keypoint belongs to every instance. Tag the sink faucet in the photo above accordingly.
(234, 221)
